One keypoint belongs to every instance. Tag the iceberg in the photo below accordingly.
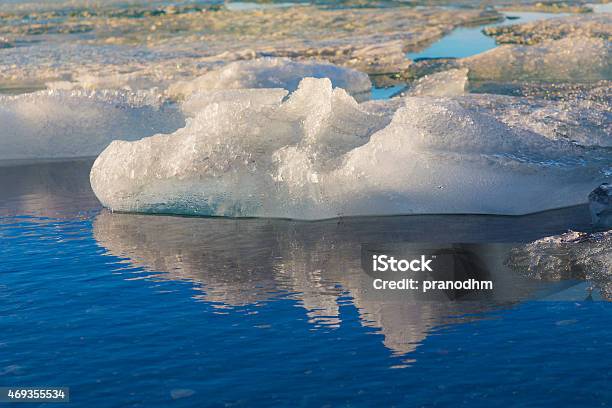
(62, 124)
(320, 154)
(281, 73)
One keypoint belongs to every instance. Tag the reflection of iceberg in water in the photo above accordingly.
(53, 189)
(236, 262)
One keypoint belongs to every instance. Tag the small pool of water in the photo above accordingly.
(386, 93)
(467, 41)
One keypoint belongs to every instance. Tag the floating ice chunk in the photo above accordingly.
(446, 83)
(600, 205)
(573, 58)
(574, 255)
(320, 154)
(275, 73)
(56, 124)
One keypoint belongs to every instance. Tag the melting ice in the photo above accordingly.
(573, 58)
(275, 73)
(318, 153)
(54, 124)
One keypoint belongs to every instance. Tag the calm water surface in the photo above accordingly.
(158, 311)
(467, 41)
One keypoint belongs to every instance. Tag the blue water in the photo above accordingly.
(467, 41)
(387, 92)
(154, 311)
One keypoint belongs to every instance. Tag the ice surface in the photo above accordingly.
(446, 83)
(133, 81)
(600, 205)
(574, 255)
(573, 58)
(597, 25)
(320, 154)
(55, 124)
(265, 97)
(275, 73)
(584, 122)
(133, 46)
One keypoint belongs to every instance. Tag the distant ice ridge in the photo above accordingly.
(281, 73)
(319, 154)
(60, 124)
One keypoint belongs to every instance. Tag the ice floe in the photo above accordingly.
(571, 59)
(596, 25)
(573, 255)
(275, 73)
(125, 42)
(54, 124)
(320, 154)
(132, 81)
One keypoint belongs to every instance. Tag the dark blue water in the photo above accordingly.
(151, 311)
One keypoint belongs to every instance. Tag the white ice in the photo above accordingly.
(446, 83)
(571, 59)
(319, 154)
(54, 124)
(275, 73)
